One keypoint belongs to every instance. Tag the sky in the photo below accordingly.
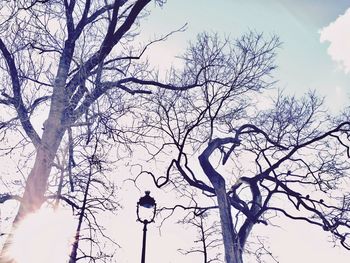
(306, 59)
(314, 55)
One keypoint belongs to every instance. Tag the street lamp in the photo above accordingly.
(145, 215)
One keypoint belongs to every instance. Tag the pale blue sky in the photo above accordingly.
(302, 60)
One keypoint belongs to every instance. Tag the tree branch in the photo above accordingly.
(17, 96)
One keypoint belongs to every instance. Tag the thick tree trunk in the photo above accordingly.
(233, 250)
(33, 196)
(36, 184)
(232, 246)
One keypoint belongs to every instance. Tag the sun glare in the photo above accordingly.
(42, 237)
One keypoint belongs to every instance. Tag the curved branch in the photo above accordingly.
(111, 39)
(17, 96)
(7, 197)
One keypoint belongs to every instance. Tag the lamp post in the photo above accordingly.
(146, 211)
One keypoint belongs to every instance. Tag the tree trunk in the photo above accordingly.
(232, 247)
(74, 252)
(233, 250)
(36, 184)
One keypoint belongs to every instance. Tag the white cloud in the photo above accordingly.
(337, 34)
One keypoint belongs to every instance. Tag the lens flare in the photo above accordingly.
(44, 236)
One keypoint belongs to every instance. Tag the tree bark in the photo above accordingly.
(36, 184)
(233, 250)
(232, 247)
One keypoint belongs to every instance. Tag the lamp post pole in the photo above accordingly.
(143, 256)
(146, 202)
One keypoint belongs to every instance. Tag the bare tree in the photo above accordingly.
(252, 159)
(96, 195)
(208, 242)
(76, 62)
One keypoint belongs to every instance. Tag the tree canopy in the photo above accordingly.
(78, 94)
